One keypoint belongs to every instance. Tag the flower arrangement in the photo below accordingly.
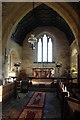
(73, 69)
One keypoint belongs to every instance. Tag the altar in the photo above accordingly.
(43, 72)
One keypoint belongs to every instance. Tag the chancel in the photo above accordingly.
(40, 61)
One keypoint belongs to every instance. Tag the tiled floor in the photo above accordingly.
(52, 110)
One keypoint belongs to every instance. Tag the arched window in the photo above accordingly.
(39, 51)
(45, 49)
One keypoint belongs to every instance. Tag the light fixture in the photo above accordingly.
(17, 65)
(58, 65)
(32, 39)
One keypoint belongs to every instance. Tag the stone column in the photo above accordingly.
(78, 69)
(78, 59)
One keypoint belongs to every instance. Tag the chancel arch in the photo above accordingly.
(65, 10)
(41, 58)
(66, 13)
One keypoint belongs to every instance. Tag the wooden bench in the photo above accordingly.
(72, 109)
(61, 95)
(76, 93)
(8, 91)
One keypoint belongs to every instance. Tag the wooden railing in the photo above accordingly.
(54, 78)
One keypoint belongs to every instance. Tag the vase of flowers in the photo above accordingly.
(74, 72)
(73, 69)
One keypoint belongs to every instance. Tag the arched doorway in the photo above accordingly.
(13, 59)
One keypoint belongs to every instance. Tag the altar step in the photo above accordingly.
(42, 89)
(39, 86)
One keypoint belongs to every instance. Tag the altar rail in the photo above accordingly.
(54, 78)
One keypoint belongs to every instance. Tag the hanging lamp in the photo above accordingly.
(32, 39)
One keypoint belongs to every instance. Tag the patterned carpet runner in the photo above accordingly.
(31, 114)
(34, 108)
(37, 100)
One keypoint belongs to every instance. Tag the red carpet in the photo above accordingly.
(34, 108)
(37, 100)
(31, 114)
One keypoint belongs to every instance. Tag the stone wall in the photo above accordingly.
(13, 55)
(60, 50)
(74, 57)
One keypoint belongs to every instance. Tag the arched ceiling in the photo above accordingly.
(40, 16)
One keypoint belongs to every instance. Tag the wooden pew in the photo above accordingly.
(61, 95)
(8, 91)
(72, 109)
